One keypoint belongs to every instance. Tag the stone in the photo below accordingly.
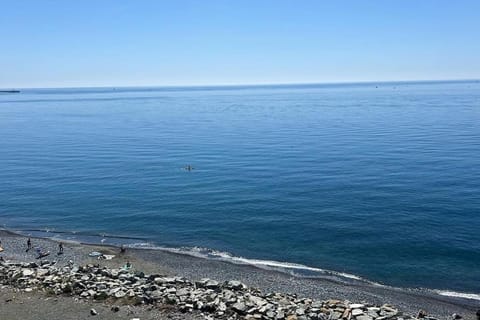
(239, 307)
(300, 312)
(93, 312)
(157, 294)
(42, 272)
(27, 272)
(363, 317)
(270, 314)
(236, 285)
(100, 295)
(421, 314)
(211, 284)
(356, 312)
(183, 292)
(257, 301)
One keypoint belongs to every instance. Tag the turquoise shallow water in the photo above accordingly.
(376, 180)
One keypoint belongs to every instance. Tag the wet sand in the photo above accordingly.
(157, 261)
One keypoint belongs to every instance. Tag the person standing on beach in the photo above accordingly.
(60, 248)
(29, 244)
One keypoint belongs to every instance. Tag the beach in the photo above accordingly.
(148, 261)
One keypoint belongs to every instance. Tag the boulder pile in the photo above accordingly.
(228, 300)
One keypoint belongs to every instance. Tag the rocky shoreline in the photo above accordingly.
(228, 300)
(160, 281)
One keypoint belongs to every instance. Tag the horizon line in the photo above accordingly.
(247, 84)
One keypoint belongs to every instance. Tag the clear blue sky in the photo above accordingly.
(199, 42)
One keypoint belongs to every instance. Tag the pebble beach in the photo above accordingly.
(164, 285)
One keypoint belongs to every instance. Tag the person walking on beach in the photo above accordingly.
(60, 248)
(29, 244)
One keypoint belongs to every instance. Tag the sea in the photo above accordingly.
(372, 181)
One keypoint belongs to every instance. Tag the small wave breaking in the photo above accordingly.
(472, 296)
(294, 269)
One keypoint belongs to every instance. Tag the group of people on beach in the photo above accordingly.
(43, 253)
(40, 253)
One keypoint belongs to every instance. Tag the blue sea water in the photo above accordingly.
(379, 180)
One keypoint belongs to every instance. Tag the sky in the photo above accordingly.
(221, 42)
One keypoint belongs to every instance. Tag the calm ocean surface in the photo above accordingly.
(376, 180)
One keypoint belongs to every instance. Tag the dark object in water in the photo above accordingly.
(9, 91)
(188, 168)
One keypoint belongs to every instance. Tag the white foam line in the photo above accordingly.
(205, 253)
(472, 296)
(225, 256)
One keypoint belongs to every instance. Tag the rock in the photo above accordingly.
(100, 295)
(364, 317)
(120, 294)
(93, 312)
(183, 292)
(356, 312)
(421, 314)
(157, 294)
(235, 285)
(115, 308)
(42, 272)
(201, 283)
(300, 312)
(257, 301)
(27, 272)
(356, 306)
(239, 307)
(211, 284)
